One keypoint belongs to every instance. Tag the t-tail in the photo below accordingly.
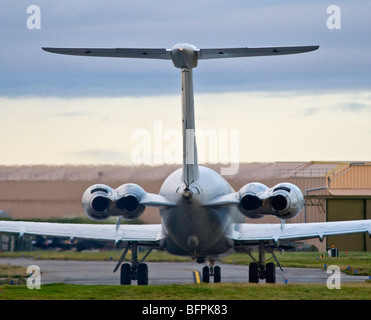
(185, 57)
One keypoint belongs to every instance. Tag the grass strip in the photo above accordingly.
(222, 291)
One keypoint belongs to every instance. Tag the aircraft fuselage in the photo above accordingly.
(192, 229)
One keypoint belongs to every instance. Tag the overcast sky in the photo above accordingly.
(62, 109)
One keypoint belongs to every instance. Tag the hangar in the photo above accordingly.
(345, 196)
(334, 191)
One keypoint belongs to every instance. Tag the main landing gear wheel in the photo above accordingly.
(125, 275)
(142, 274)
(128, 273)
(270, 276)
(261, 270)
(268, 272)
(253, 272)
(134, 271)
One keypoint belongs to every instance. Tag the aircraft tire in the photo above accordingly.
(205, 274)
(217, 274)
(125, 274)
(270, 273)
(253, 273)
(142, 274)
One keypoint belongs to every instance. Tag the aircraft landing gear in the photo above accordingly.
(134, 271)
(267, 272)
(129, 272)
(260, 269)
(211, 271)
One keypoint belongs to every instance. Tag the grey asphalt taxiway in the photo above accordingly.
(101, 272)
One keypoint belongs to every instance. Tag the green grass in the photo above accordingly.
(93, 255)
(12, 274)
(359, 261)
(223, 291)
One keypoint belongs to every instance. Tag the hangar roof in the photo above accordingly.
(349, 192)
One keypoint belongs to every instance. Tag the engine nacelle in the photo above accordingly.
(251, 200)
(97, 202)
(128, 200)
(285, 200)
(100, 201)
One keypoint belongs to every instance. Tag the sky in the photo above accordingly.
(57, 109)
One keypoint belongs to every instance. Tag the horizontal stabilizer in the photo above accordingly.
(166, 54)
(252, 52)
(113, 52)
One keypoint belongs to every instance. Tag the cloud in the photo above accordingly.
(290, 95)
(341, 62)
(272, 126)
(310, 111)
(355, 107)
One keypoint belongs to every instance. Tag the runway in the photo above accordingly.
(101, 272)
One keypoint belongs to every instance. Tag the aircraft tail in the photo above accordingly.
(190, 165)
(173, 53)
(185, 57)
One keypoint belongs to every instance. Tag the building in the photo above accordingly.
(345, 196)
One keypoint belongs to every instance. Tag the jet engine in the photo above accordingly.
(129, 196)
(100, 201)
(251, 200)
(285, 200)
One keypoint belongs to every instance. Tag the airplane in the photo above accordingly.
(202, 216)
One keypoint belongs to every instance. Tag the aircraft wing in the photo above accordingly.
(143, 233)
(246, 232)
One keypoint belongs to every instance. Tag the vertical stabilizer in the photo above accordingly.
(190, 166)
